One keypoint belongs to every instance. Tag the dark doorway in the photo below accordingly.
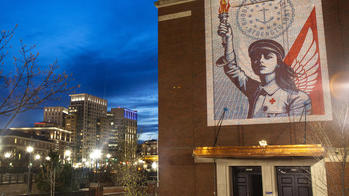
(294, 181)
(247, 181)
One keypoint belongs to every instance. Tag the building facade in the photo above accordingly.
(89, 111)
(14, 144)
(61, 139)
(55, 115)
(149, 147)
(123, 127)
(208, 148)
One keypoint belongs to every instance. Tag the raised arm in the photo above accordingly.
(228, 61)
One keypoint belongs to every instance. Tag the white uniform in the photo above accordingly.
(269, 100)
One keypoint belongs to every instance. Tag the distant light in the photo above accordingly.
(108, 156)
(7, 155)
(30, 149)
(263, 143)
(37, 157)
(83, 160)
(48, 158)
(154, 165)
(67, 153)
(96, 154)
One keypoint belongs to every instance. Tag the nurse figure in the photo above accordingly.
(276, 94)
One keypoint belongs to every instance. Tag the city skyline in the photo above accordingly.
(109, 47)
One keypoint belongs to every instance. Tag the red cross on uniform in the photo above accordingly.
(272, 101)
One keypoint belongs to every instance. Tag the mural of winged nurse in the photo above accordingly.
(283, 89)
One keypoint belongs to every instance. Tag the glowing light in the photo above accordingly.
(96, 154)
(67, 153)
(30, 149)
(154, 165)
(37, 157)
(108, 156)
(263, 143)
(340, 85)
(7, 155)
(47, 158)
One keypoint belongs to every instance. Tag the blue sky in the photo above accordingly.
(109, 46)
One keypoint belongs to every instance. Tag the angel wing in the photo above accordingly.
(306, 64)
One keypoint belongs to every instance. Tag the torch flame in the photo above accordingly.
(224, 6)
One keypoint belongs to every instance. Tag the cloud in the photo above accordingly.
(148, 136)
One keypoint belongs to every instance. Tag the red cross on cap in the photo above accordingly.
(272, 101)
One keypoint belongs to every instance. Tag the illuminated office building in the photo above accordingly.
(88, 111)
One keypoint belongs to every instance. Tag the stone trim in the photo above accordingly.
(161, 3)
(174, 16)
(269, 151)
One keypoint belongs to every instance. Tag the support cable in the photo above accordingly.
(219, 125)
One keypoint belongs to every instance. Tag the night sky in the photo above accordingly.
(109, 47)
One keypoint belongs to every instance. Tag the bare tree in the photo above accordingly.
(28, 84)
(334, 137)
(129, 173)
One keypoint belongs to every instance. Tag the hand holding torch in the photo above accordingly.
(223, 30)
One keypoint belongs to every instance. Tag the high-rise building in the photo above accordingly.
(88, 111)
(71, 124)
(55, 115)
(123, 126)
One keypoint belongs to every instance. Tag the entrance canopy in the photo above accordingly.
(269, 151)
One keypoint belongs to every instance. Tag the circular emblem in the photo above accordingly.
(259, 19)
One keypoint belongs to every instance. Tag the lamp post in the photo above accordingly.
(7, 155)
(67, 155)
(37, 157)
(29, 150)
(95, 155)
(108, 158)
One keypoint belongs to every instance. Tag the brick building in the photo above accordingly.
(196, 158)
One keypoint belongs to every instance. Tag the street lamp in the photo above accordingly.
(154, 165)
(7, 155)
(37, 157)
(29, 150)
(95, 155)
(67, 153)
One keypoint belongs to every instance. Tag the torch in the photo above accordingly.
(223, 18)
